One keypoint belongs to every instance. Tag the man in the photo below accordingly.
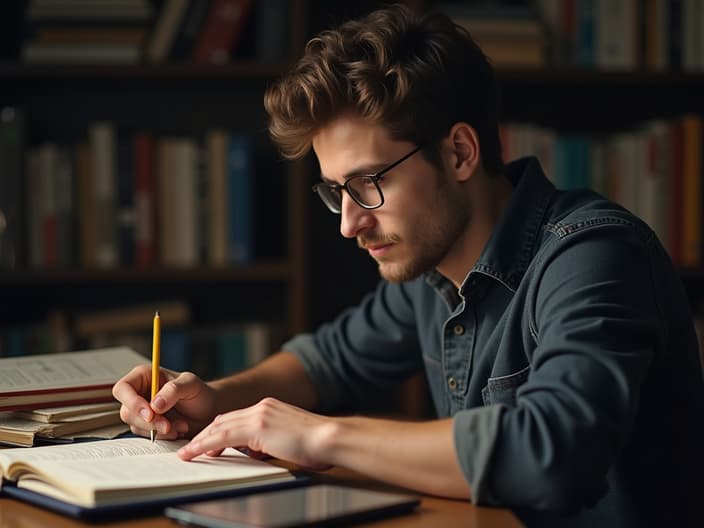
(554, 333)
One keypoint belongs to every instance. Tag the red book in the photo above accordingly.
(145, 200)
(221, 31)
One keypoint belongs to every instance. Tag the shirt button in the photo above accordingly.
(458, 329)
(452, 382)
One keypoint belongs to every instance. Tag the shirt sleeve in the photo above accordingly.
(595, 322)
(365, 352)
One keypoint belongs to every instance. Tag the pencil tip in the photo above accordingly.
(152, 435)
(156, 314)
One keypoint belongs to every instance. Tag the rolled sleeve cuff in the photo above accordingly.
(475, 433)
(304, 348)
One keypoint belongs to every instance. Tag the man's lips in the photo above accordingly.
(377, 250)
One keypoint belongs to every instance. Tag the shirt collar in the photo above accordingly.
(512, 244)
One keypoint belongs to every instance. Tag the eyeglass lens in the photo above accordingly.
(362, 189)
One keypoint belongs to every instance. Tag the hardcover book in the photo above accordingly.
(128, 474)
(32, 382)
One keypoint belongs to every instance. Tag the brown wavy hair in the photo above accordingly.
(414, 74)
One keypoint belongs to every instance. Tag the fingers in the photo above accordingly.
(243, 428)
(212, 441)
(128, 391)
(185, 386)
(131, 390)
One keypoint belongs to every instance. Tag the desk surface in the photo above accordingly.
(432, 511)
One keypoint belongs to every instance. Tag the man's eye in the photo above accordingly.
(367, 180)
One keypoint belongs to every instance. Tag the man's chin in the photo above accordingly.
(397, 273)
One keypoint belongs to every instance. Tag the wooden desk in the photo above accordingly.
(431, 512)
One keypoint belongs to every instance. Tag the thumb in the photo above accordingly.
(184, 387)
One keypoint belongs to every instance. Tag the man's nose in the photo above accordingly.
(353, 217)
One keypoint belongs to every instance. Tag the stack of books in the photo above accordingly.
(61, 424)
(83, 31)
(57, 397)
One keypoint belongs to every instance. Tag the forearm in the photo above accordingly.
(281, 376)
(419, 456)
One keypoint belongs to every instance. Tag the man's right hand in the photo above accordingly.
(182, 407)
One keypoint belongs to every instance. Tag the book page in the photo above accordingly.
(88, 452)
(122, 469)
(71, 369)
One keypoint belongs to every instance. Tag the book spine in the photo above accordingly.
(231, 352)
(585, 33)
(186, 36)
(168, 23)
(104, 166)
(175, 350)
(125, 200)
(240, 199)
(65, 210)
(218, 206)
(86, 207)
(12, 140)
(691, 33)
(32, 204)
(272, 35)
(675, 32)
(165, 206)
(692, 191)
(676, 198)
(145, 200)
(185, 197)
(617, 34)
(48, 161)
(221, 31)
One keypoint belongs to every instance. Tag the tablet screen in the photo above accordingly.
(316, 505)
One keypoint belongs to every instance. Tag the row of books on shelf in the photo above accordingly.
(655, 171)
(209, 350)
(126, 199)
(199, 31)
(656, 35)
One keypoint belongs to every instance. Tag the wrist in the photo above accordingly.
(328, 441)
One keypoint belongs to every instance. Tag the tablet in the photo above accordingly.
(317, 505)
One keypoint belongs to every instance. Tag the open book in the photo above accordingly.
(31, 382)
(125, 473)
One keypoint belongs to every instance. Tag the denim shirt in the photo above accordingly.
(567, 359)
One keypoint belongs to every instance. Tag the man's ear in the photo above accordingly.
(464, 145)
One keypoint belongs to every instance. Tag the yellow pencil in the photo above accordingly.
(155, 364)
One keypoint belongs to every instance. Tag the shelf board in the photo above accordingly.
(274, 270)
(253, 69)
(599, 77)
(167, 71)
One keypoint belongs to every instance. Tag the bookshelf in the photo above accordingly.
(60, 101)
(185, 98)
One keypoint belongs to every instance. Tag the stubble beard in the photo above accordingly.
(429, 242)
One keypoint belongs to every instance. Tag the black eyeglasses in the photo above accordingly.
(363, 189)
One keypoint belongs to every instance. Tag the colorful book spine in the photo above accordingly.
(221, 31)
(240, 199)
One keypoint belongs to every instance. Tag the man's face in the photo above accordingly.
(423, 212)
